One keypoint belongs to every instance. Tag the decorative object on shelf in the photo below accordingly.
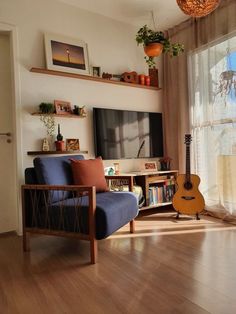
(82, 111)
(165, 163)
(117, 168)
(198, 8)
(59, 142)
(108, 76)
(62, 107)
(149, 38)
(147, 80)
(45, 146)
(150, 166)
(153, 73)
(142, 79)
(72, 144)
(96, 71)
(66, 54)
(46, 107)
(111, 171)
(76, 110)
(128, 77)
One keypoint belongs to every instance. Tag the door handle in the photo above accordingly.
(6, 134)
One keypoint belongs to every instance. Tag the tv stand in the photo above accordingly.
(158, 186)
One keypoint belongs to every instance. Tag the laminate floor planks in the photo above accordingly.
(165, 267)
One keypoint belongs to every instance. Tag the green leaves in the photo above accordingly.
(146, 36)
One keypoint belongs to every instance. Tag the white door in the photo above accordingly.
(8, 197)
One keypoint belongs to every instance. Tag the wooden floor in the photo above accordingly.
(167, 266)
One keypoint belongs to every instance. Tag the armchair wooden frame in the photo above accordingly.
(31, 192)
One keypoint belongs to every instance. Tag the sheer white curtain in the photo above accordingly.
(212, 82)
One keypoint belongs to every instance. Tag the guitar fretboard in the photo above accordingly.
(188, 172)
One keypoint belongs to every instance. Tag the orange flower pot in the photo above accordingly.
(153, 50)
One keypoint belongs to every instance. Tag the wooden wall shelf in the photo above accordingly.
(91, 78)
(52, 152)
(58, 115)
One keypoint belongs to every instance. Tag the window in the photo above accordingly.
(213, 115)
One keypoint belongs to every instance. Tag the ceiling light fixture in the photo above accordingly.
(198, 8)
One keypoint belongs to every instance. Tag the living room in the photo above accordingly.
(166, 263)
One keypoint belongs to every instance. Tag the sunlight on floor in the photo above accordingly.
(167, 224)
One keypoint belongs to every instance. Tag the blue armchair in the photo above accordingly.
(53, 205)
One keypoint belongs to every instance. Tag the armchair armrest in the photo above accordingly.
(37, 212)
(37, 204)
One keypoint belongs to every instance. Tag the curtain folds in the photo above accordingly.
(193, 33)
(193, 103)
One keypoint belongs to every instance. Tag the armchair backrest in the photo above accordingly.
(52, 171)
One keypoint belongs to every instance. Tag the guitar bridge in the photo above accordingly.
(188, 198)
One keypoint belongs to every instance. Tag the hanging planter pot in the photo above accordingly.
(153, 49)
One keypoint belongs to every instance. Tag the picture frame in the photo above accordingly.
(66, 54)
(62, 107)
(96, 71)
(150, 166)
(72, 144)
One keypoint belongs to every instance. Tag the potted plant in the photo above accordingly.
(154, 43)
(46, 107)
(59, 142)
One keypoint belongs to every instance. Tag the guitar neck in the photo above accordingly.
(188, 172)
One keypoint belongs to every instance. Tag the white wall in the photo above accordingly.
(111, 45)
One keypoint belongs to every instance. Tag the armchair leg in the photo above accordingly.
(93, 251)
(131, 226)
(26, 241)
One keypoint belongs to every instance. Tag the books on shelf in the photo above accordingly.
(161, 193)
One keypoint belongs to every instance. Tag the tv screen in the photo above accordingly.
(127, 134)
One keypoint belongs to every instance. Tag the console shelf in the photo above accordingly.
(68, 115)
(90, 78)
(54, 152)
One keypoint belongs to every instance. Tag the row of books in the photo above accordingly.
(161, 194)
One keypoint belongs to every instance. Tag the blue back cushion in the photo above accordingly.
(55, 171)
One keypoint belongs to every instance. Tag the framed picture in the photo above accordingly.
(62, 107)
(96, 71)
(72, 144)
(66, 54)
(150, 166)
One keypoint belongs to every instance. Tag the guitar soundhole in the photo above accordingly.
(188, 185)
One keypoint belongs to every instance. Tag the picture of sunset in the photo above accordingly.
(67, 55)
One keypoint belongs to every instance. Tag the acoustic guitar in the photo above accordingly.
(188, 199)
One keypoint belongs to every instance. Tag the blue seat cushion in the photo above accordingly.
(55, 171)
(113, 210)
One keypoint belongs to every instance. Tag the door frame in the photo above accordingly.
(11, 30)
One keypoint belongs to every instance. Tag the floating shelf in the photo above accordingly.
(69, 115)
(91, 78)
(52, 152)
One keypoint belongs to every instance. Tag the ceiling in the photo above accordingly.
(135, 12)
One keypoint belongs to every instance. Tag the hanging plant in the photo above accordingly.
(49, 122)
(154, 43)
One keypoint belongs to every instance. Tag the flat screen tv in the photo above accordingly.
(121, 134)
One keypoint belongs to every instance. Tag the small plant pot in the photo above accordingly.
(60, 145)
(165, 166)
(153, 49)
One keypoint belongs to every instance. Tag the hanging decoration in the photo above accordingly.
(198, 8)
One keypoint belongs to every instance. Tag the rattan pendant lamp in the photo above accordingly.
(198, 8)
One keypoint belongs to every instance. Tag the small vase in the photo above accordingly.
(165, 166)
(60, 145)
